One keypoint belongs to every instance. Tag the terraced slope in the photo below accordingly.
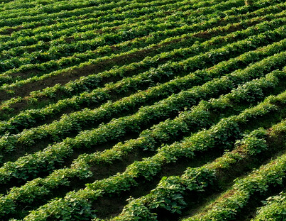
(142, 110)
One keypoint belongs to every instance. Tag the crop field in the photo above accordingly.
(142, 110)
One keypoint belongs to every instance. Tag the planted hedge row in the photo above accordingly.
(221, 135)
(268, 176)
(273, 209)
(90, 81)
(166, 108)
(170, 192)
(30, 117)
(101, 59)
(80, 51)
(54, 154)
(188, 121)
(69, 27)
(102, 9)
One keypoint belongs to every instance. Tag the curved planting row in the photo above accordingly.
(185, 123)
(156, 110)
(140, 81)
(220, 135)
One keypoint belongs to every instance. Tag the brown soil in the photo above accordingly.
(25, 90)
(9, 31)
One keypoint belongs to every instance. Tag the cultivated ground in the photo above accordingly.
(142, 110)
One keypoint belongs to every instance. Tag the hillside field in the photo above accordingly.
(142, 110)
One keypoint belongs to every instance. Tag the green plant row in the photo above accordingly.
(88, 19)
(74, 53)
(81, 42)
(73, 24)
(53, 155)
(55, 7)
(167, 131)
(160, 91)
(30, 117)
(91, 40)
(65, 61)
(51, 91)
(81, 27)
(80, 31)
(169, 193)
(37, 27)
(274, 208)
(87, 24)
(20, 5)
(244, 190)
(189, 120)
(50, 26)
(92, 81)
(221, 135)
(102, 9)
